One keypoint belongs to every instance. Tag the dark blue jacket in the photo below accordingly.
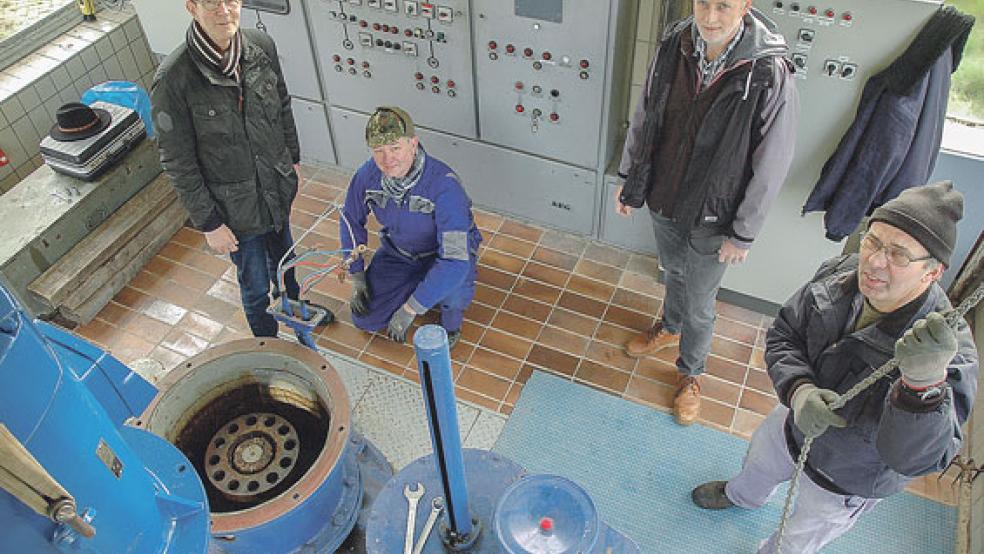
(895, 138)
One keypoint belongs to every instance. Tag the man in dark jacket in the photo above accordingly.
(707, 150)
(228, 142)
(834, 332)
(428, 241)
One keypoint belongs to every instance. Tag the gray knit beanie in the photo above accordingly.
(928, 214)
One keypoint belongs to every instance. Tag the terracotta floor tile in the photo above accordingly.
(337, 347)
(462, 352)
(716, 414)
(527, 308)
(229, 334)
(563, 242)
(164, 311)
(757, 402)
(590, 288)
(513, 395)
(115, 314)
(148, 328)
(207, 263)
(760, 340)
(614, 334)
(487, 220)
(495, 278)
(189, 237)
(573, 322)
(127, 347)
(512, 245)
(506, 410)
(644, 264)
(555, 258)
(610, 355)
(555, 360)
(736, 331)
(502, 261)
(321, 191)
(160, 265)
(383, 348)
(97, 331)
(637, 302)
(478, 399)
(609, 378)
(649, 392)
(658, 370)
(731, 350)
(301, 220)
(562, 340)
(200, 326)
(599, 272)
(546, 274)
(629, 319)
(746, 423)
(725, 369)
(608, 255)
(226, 292)
(184, 343)
(525, 373)
(380, 363)
(582, 304)
(216, 309)
(148, 282)
(719, 389)
(484, 383)
(643, 284)
(495, 363)
(472, 332)
(510, 323)
(536, 291)
(133, 299)
(167, 357)
(479, 314)
(309, 204)
(179, 295)
(178, 253)
(521, 230)
(760, 381)
(503, 343)
(345, 333)
(758, 358)
(738, 313)
(191, 278)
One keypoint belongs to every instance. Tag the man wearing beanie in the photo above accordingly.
(428, 242)
(857, 312)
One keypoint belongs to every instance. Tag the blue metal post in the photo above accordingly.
(437, 383)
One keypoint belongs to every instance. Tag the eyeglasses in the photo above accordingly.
(896, 255)
(213, 5)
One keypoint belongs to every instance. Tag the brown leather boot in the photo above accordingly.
(686, 403)
(651, 341)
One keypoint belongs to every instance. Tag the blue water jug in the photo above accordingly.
(123, 93)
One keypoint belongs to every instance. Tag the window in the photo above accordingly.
(964, 129)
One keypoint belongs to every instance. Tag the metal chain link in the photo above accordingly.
(953, 318)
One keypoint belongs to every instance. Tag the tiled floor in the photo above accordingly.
(545, 300)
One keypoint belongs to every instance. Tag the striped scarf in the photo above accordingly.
(226, 63)
(397, 187)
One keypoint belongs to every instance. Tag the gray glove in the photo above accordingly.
(399, 324)
(925, 351)
(360, 294)
(811, 410)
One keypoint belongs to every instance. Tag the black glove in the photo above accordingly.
(360, 294)
(399, 324)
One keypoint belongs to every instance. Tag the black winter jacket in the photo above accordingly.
(229, 148)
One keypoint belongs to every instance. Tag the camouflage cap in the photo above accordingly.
(387, 125)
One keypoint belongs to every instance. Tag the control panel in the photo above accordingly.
(540, 66)
(413, 54)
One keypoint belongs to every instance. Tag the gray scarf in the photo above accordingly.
(397, 187)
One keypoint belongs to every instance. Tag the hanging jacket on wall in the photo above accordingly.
(895, 138)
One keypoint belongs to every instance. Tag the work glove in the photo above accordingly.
(811, 410)
(400, 323)
(925, 351)
(360, 294)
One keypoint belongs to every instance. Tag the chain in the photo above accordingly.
(953, 318)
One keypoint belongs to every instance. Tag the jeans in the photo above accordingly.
(256, 269)
(819, 515)
(692, 275)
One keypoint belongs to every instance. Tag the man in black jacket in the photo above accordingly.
(850, 319)
(707, 150)
(228, 142)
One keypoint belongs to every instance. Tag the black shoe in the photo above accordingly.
(710, 496)
(453, 337)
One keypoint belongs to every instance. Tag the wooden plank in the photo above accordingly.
(124, 266)
(54, 285)
(22, 476)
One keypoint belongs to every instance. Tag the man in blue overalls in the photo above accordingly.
(428, 241)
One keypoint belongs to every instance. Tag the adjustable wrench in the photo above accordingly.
(412, 495)
(437, 505)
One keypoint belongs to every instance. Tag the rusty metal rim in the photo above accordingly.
(330, 455)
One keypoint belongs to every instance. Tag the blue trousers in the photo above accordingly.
(393, 277)
(256, 269)
(692, 275)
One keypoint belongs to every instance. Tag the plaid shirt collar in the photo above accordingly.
(710, 69)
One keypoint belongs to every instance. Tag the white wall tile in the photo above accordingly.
(98, 75)
(104, 47)
(132, 29)
(3, 121)
(118, 38)
(42, 119)
(30, 97)
(644, 21)
(114, 72)
(68, 94)
(5, 171)
(639, 62)
(45, 88)
(12, 146)
(141, 53)
(12, 108)
(75, 67)
(90, 57)
(61, 77)
(28, 136)
(130, 70)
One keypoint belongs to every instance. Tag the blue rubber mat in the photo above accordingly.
(639, 467)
